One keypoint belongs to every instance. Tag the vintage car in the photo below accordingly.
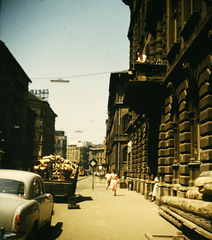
(24, 205)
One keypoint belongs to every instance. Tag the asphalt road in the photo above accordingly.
(62, 215)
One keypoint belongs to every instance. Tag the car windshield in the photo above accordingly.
(11, 186)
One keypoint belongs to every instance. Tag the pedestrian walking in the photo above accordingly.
(156, 181)
(113, 181)
(107, 177)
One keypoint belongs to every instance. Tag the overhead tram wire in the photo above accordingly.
(75, 76)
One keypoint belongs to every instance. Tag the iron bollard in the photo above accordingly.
(130, 185)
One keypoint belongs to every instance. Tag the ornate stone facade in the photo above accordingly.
(44, 127)
(169, 95)
(116, 138)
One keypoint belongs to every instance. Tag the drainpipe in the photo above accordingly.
(119, 124)
(119, 146)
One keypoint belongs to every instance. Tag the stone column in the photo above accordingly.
(143, 167)
(191, 120)
(161, 151)
(135, 175)
(193, 164)
(205, 97)
(144, 155)
(129, 159)
(175, 166)
(169, 153)
(134, 165)
(184, 148)
(139, 161)
(152, 49)
(158, 52)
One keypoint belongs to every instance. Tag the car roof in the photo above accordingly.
(19, 175)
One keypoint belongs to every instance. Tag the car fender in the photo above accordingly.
(28, 212)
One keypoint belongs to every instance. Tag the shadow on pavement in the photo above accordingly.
(80, 198)
(51, 233)
(61, 199)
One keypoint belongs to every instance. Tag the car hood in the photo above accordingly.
(8, 204)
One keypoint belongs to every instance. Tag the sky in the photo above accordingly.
(82, 41)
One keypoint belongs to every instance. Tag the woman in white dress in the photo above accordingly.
(156, 181)
(113, 181)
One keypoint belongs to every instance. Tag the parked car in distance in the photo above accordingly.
(24, 205)
(87, 172)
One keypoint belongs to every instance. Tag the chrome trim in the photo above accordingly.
(17, 236)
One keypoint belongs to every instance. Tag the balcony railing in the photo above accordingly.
(148, 71)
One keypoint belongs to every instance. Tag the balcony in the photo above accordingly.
(142, 89)
(149, 72)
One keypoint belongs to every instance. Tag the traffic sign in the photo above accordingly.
(93, 163)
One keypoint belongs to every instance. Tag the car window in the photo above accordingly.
(36, 188)
(42, 188)
(11, 186)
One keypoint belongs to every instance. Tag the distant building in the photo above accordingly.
(72, 152)
(30, 135)
(60, 144)
(44, 126)
(118, 114)
(41, 93)
(97, 152)
(78, 151)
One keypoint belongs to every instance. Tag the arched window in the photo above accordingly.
(193, 107)
(125, 154)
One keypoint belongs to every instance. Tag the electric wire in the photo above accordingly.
(76, 76)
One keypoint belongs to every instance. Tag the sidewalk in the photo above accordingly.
(125, 216)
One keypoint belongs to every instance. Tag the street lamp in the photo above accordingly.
(60, 80)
